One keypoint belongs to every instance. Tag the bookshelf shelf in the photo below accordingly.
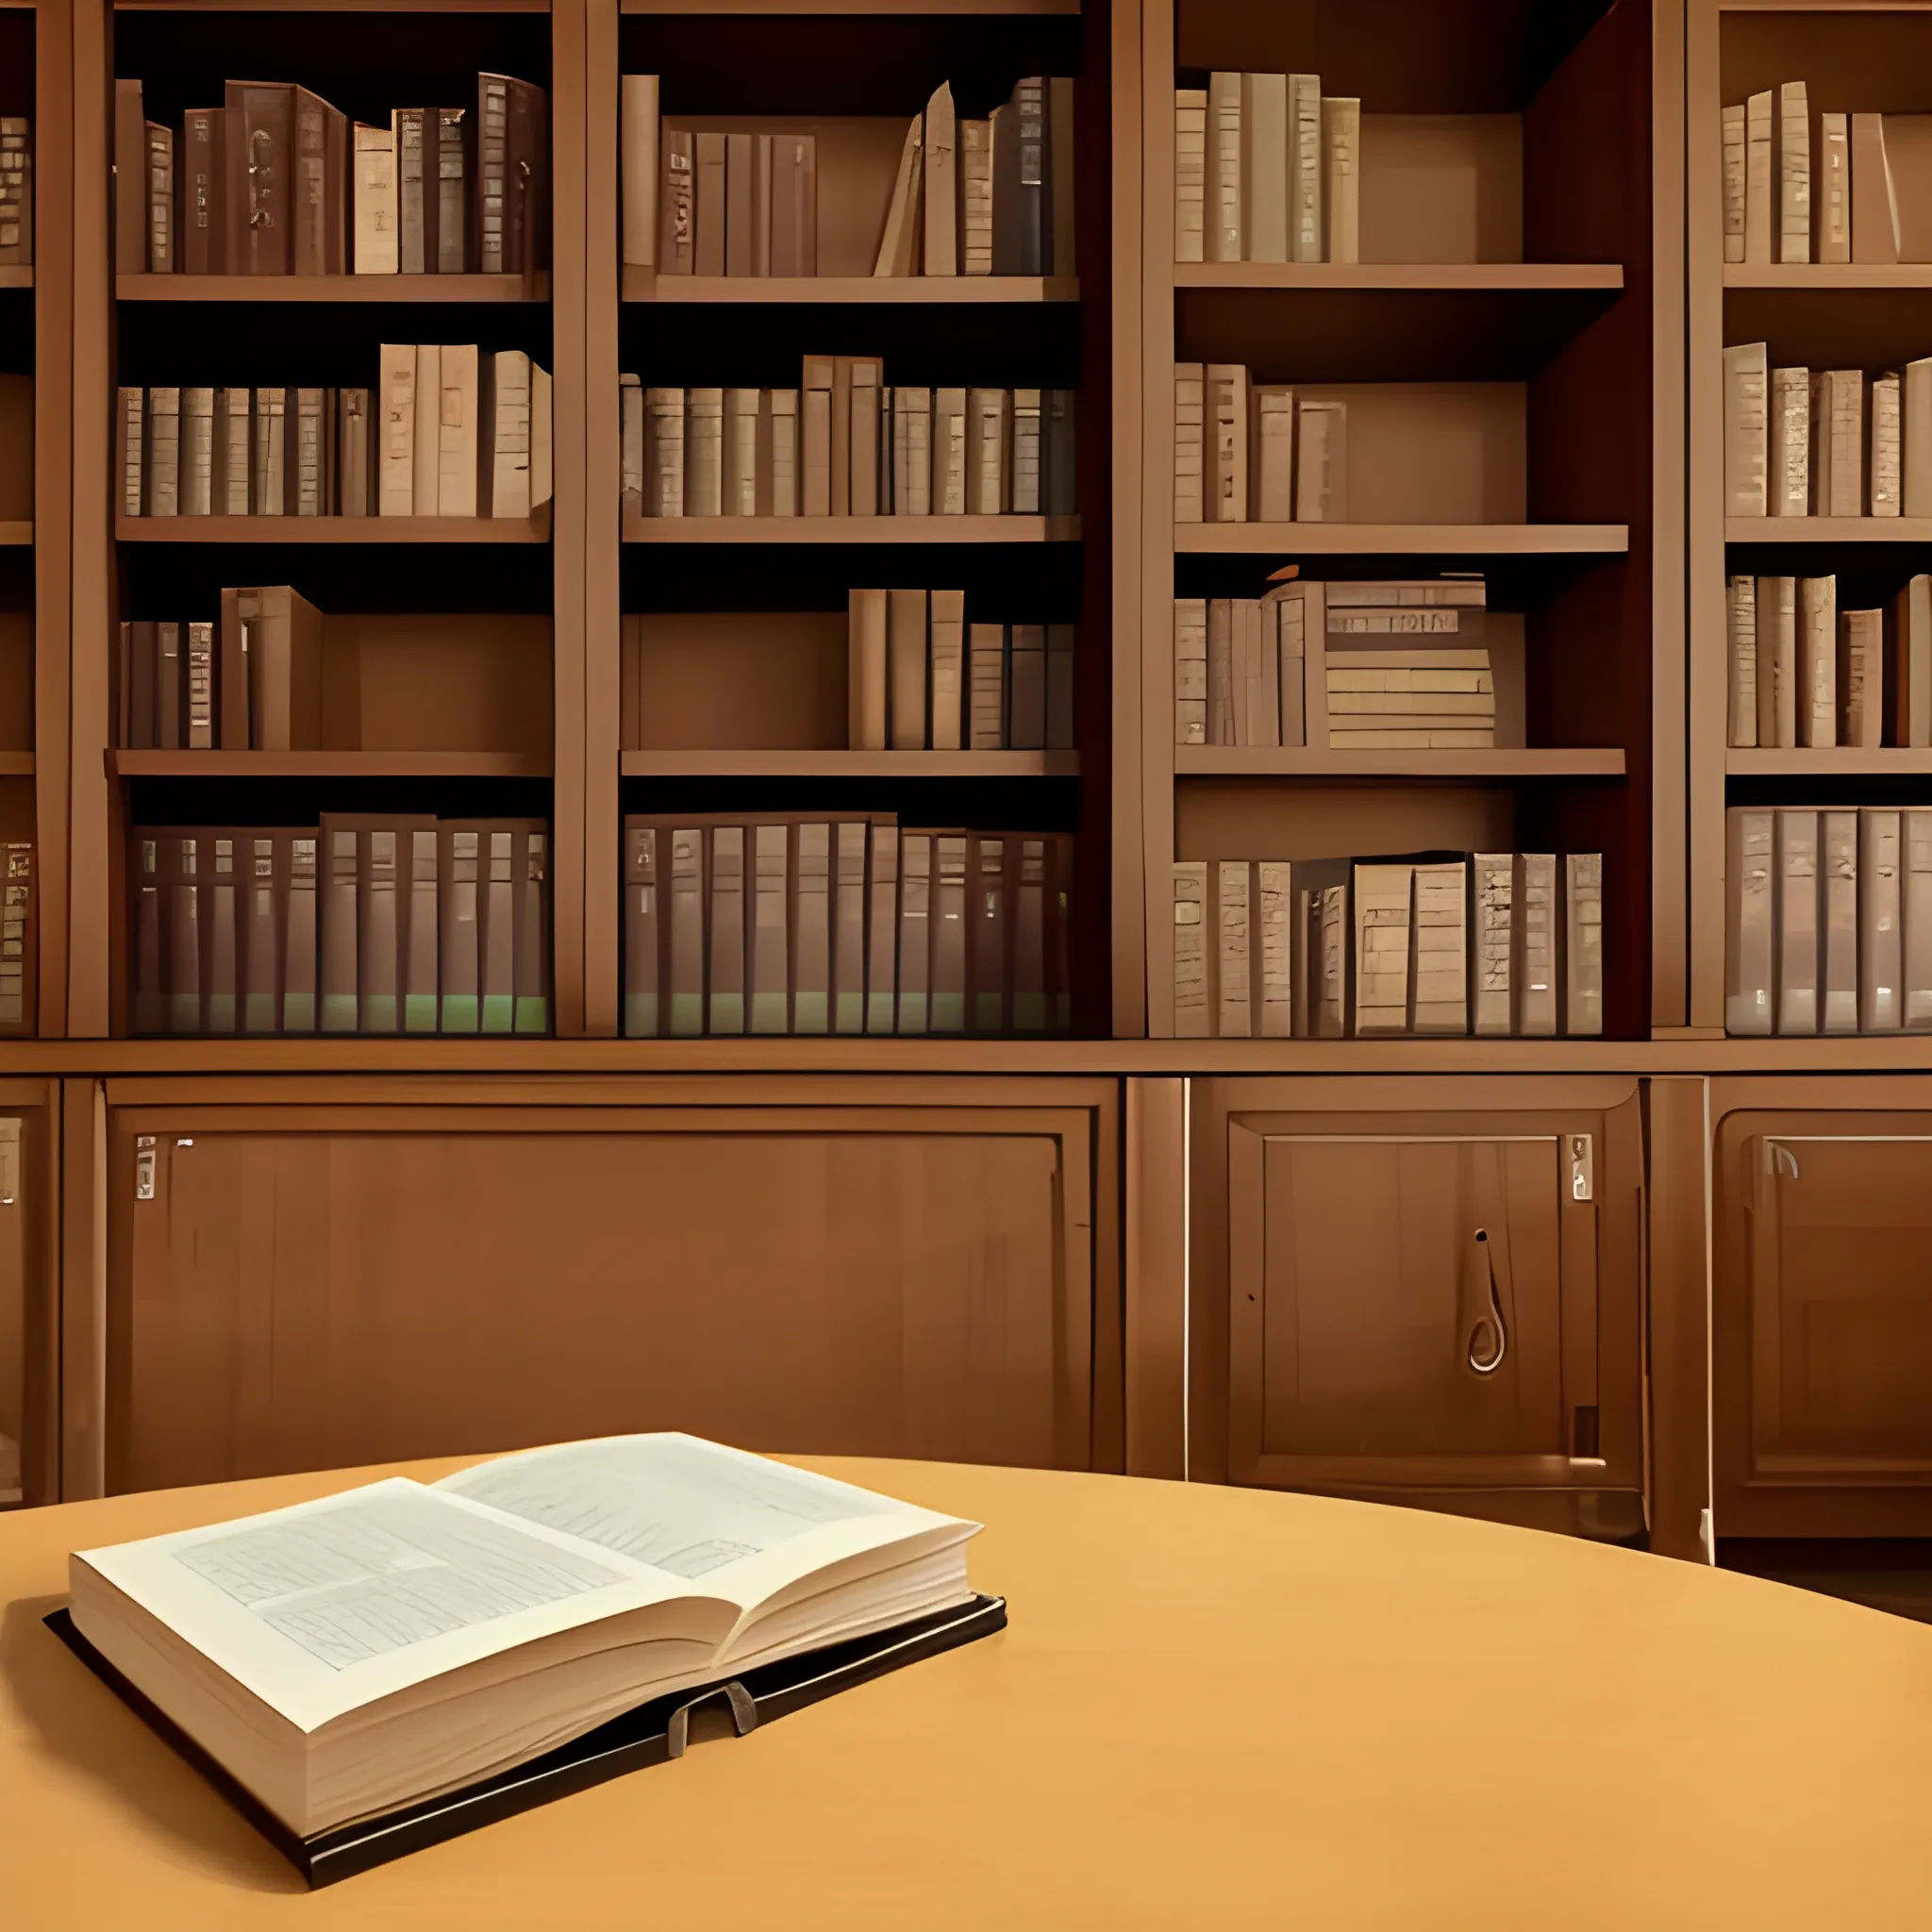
(851, 764)
(326, 764)
(1828, 275)
(16, 533)
(646, 285)
(16, 278)
(1828, 529)
(1017, 529)
(16, 764)
(1402, 540)
(910, 9)
(333, 6)
(327, 530)
(1302, 761)
(1499, 277)
(389, 288)
(1839, 761)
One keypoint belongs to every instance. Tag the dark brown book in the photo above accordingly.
(418, 887)
(337, 223)
(947, 1013)
(233, 727)
(459, 915)
(260, 150)
(531, 942)
(416, 196)
(677, 206)
(140, 722)
(383, 868)
(707, 253)
(180, 878)
(512, 176)
(452, 181)
(204, 221)
(220, 880)
(1021, 211)
(644, 967)
(355, 473)
(262, 864)
(130, 180)
(148, 1008)
(1026, 920)
(339, 867)
(301, 952)
(169, 686)
(497, 939)
(313, 187)
(283, 656)
(795, 205)
(741, 153)
(986, 939)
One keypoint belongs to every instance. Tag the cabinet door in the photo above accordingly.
(1823, 1331)
(1444, 1308)
(306, 1292)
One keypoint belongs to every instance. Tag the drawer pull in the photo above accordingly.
(1489, 1340)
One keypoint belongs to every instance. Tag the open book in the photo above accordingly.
(344, 1658)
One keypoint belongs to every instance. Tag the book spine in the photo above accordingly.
(947, 1011)
(948, 665)
(769, 939)
(1193, 1004)
(1881, 962)
(1583, 945)
(1225, 240)
(915, 931)
(1794, 173)
(160, 200)
(378, 930)
(677, 211)
(1190, 444)
(1790, 442)
(1533, 964)
(169, 687)
(1817, 661)
(1307, 159)
(1228, 437)
(1860, 676)
(883, 931)
(1793, 918)
(1742, 659)
(1732, 139)
(130, 417)
(1233, 1017)
(986, 693)
(420, 873)
(16, 191)
(1341, 127)
(986, 970)
(492, 254)
(1886, 447)
(1746, 431)
(1189, 176)
(810, 973)
(1838, 865)
(130, 180)
(1833, 191)
(164, 452)
(1759, 180)
(724, 1004)
(201, 687)
(311, 188)
(1915, 921)
(452, 192)
(642, 965)
(262, 891)
(1915, 492)
(497, 938)
(848, 929)
(1777, 659)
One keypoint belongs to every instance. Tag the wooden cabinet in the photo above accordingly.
(1823, 1308)
(871, 1268)
(29, 1164)
(1426, 1291)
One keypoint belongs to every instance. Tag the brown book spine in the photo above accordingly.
(419, 878)
(204, 221)
(707, 254)
(498, 936)
(145, 649)
(264, 889)
(740, 151)
(512, 173)
(149, 1012)
(218, 938)
(181, 930)
(310, 186)
(130, 180)
(200, 654)
(677, 211)
(124, 697)
(19, 939)
(337, 223)
(340, 859)
(301, 953)
(459, 914)
(161, 199)
(531, 862)
(16, 191)
(355, 493)
(987, 939)
(643, 965)
(260, 140)
(415, 200)
(452, 216)
(948, 1011)
(168, 687)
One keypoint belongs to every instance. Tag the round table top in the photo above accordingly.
(1212, 1707)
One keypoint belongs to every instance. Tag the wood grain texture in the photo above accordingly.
(334, 529)
(426, 289)
(851, 764)
(326, 764)
(1291, 761)
(883, 530)
(1507, 277)
(1400, 540)
(646, 285)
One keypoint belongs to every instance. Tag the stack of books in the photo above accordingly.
(446, 432)
(1266, 170)
(1804, 672)
(1393, 665)
(1495, 944)
(370, 924)
(839, 922)
(992, 197)
(1863, 193)
(1828, 921)
(16, 191)
(923, 679)
(1255, 452)
(844, 444)
(276, 182)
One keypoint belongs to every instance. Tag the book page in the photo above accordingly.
(328, 1605)
(746, 1525)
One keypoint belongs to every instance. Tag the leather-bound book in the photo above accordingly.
(811, 927)
(221, 882)
(643, 928)
(130, 180)
(262, 859)
(168, 687)
(418, 886)
(159, 143)
(340, 859)
(987, 965)
(459, 915)
(416, 137)
(260, 151)
(316, 187)
(301, 952)
(512, 177)
(451, 184)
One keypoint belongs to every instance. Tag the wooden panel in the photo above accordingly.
(741, 680)
(306, 1289)
(1822, 1321)
(1156, 1278)
(1442, 188)
(1678, 1247)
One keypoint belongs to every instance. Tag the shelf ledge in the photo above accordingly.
(326, 764)
(151, 288)
(849, 764)
(647, 285)
(17, 277)
(331, 531)
(1828, 275)
(1828, 529)
(1836, 762)
(1400, 540)
(1016, 530)
(1494, 278)
(16, 533)
(1303, 762)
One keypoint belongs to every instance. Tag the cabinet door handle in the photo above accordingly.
(1489, 1339)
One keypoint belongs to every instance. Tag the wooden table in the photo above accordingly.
(1213, 1708)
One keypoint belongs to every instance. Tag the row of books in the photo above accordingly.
(923, 679)
(844, 444)
(1804, 672)
(1379, 666)
(446, 432)
(1796, 442)
(367, 923)
(1246, 451)
(1441, 943)
(1828, 921)
(1266, 170)
(992, 197)
(16, 191)
(276, 182)
(250, 682)
(1865, 197)
(844, 925)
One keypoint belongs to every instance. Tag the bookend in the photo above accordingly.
(652, 1733)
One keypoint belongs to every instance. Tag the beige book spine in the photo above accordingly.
(1742, 628)
(986, 687)
(638, 123)
(1793, 172)
(948, 669)
(1191, 671)
(740, 487)
(866, 631)
(1915, 495)
(1874, 206)
(989, 431)
(396, 470)
(234, 415)
(1192, 1008)
(1583, 945)
(1493, 945)
(130, 411)
(1817, 661)
(1272, 450)
(1915, 921)
(940, 248)
(1227, 429)
(1226, 241)
(1533, 966)
(782, 405)
(1837, 443)
(815, 432)
(1777, 661)
(164, 452)
(1861, 677)
(1305, 165)
(1265, 165)
(1341, 128)
(1384, 908)
(1748, 446)
(197, 452)
(1731, 121)
(1910, 703)
(1189, 176)
(1233, 1005)
(1439, 983)
(1221, 681)
(1886, 450)
(664, 452)
(906, 662)
(949, 452)
(426, 443)
(1760, 181)
(1832, 190)
(1190, 447)
(1881, 964)
(898, 253)
(459, 445)
(912, 478)
(862, 459)
(1321, 482)
(1837, 868)
(630, 418)
(1795, 920)
(1025, 497)
(377, 229)
(1271, 981)
(703, 453)
(1790, 474)
(1290, 619)
(976, 197)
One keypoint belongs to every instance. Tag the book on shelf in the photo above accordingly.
(856, 925)
(19, 938)
(968, 196)
(1828, 921)
(251, 682)
(1266, 169)
(497, 1614)
(320, 939)
(844, 443)
(16, 191)
(1420, 945)
(277, 181)
(463, 434)
(1247, 452)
